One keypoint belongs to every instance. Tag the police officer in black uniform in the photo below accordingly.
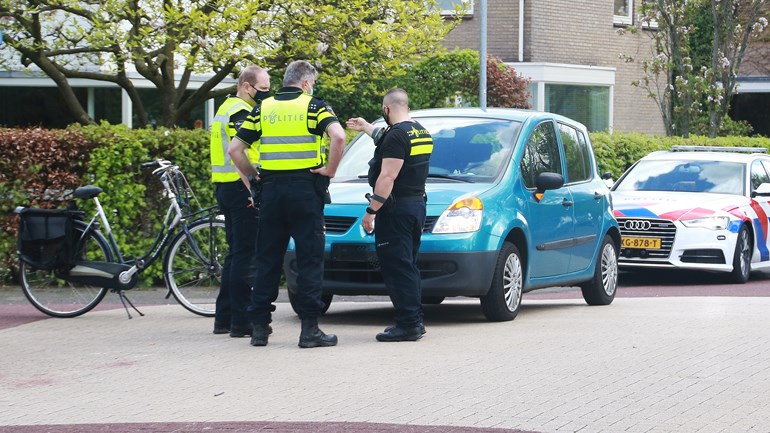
(294, 175)
(398, 172)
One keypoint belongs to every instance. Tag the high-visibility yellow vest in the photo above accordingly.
(286, 142)
(222, 167)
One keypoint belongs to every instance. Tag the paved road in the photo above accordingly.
(646, 363)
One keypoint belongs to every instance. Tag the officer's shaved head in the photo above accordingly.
(396, 98)
(297, 72)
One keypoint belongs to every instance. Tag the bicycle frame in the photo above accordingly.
(174, 217)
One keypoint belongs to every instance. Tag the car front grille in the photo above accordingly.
(339, 225)
(665, 230)
(335, 224)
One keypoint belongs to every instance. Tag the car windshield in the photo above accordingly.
(689, 176)
(465, 149)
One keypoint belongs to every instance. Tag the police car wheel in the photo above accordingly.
(742, 257)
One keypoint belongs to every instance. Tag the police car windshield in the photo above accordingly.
(686, 176)
(466, 149)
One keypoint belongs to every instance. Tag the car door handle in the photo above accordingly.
(567, 203)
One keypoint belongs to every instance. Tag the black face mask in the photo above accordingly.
(261, 95)
(386, 117)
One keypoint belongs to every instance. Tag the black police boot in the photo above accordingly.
(397, 333)
(311, 336)
(259, 334)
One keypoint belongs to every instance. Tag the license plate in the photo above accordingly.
(353, 252)
(641, 243)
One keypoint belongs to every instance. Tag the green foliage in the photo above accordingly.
(438, 79)
(350, 44)
(698, 48)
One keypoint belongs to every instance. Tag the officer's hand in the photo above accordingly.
(323, 171)
(356, 123)
(367, 222)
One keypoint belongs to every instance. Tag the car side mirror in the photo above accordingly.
(546, 181)
(762, 190)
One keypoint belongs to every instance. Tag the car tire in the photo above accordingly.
(503, 301)
(600, 290)
(325, 298)
(742, 257)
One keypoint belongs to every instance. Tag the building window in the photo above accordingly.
(449, 7)
(589, 105)
(649, 15)
(624, 12)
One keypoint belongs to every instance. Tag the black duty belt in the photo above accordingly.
(409, 198)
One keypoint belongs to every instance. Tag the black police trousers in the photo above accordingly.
(241, 222)
(291, 207)
(397, 233)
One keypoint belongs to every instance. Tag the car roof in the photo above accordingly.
(516, 114)
(665, 155)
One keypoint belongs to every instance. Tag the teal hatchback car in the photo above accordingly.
(515, 203)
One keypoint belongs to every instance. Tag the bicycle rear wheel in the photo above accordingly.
(193, 266)
(57, 297)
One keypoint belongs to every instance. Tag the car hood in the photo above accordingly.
(439, 193)
(676, 205)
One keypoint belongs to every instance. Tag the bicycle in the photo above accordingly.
(67, 264)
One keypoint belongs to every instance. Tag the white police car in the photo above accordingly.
(696, 207)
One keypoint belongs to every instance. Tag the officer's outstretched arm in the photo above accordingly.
(237, 152)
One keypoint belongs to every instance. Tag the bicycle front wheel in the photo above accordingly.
(193, 266)
(57, 297)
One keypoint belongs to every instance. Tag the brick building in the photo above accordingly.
(571, 50)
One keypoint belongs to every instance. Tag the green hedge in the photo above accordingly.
(39, 167)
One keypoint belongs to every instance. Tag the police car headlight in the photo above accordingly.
(712, 223)
(463, 216)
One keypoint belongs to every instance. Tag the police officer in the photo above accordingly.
(234, 199)
(397, 173)
(294, 173)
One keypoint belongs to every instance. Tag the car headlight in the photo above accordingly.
(463, 216)
(712, 223)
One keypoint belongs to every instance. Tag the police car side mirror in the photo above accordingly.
(762, 190)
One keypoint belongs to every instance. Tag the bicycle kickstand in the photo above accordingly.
(124, 299)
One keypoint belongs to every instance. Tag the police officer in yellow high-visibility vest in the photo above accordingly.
(294, 173)
(234, 200)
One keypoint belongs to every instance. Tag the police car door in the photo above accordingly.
(550, 216)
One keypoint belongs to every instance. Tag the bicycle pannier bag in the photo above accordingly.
(45, 238)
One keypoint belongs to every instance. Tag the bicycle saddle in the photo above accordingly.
(88, 191)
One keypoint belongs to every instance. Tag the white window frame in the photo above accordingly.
(624, 20)
(649, 25)
(541, 74)
(468, 11)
